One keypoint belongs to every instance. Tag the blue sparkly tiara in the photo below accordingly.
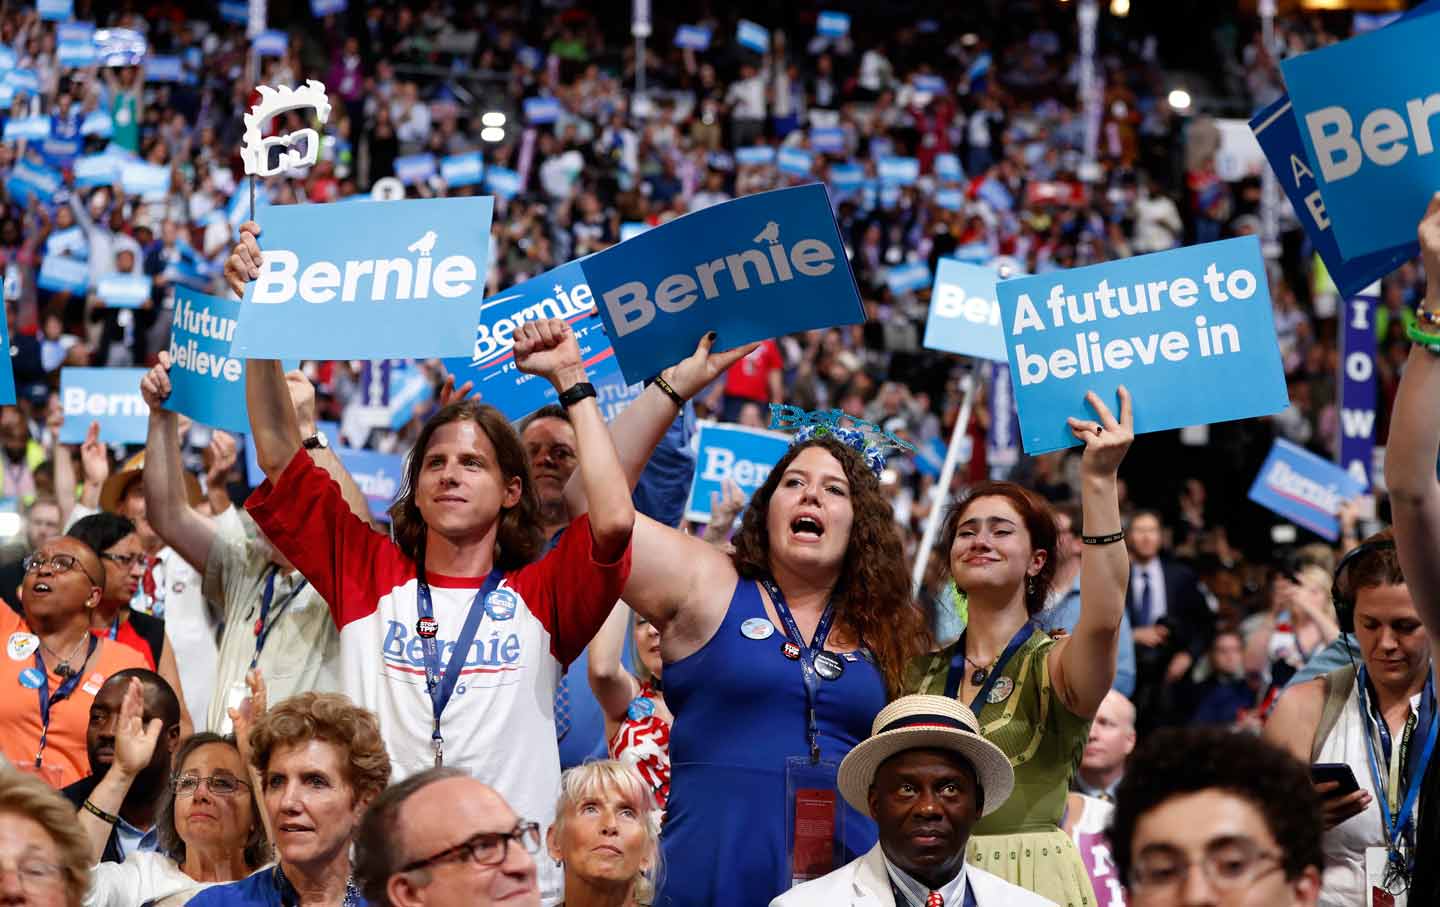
(873, 443)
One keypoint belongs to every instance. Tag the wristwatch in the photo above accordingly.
(317, 441)
(576, 392)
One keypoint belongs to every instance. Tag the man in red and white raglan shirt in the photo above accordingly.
(465, 560)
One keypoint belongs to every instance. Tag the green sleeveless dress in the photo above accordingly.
(1022, 842)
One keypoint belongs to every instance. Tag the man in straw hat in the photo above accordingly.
(926, 776)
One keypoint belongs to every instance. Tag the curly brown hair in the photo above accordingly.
(1039, 520)
(519, 539)
(333, 718)
(872, 593)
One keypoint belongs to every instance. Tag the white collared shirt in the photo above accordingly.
(917, 892)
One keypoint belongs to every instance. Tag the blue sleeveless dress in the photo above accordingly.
(739, 707)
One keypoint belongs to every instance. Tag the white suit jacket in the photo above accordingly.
(865, 883)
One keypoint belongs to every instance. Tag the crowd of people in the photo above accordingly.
(532, 681)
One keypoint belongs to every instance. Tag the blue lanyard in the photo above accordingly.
(1395, 828)
(956, 674)
(266, 624)
(442, 687)
(115, 626)
(63, 692)
(807, 658)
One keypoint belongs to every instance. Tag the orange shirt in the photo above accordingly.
(64, 760)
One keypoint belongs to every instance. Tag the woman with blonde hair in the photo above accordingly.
(606, 836)
(45, 855)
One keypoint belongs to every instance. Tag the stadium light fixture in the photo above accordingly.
(1120, 8)
(493, 118)
(1179, 99)
(492, 134)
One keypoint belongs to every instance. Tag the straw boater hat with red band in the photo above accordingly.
(116, 486)
(926, 722)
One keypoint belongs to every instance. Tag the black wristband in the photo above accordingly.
(669, 391)
(99, 813)
(1104, 539)
(576, 392)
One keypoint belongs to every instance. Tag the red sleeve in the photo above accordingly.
(570, 591)
(305, 517)
(775, 360)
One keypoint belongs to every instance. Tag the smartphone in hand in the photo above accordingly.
(1321, 772)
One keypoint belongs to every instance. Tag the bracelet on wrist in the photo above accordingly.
(1104, 539)
(669, 391)
(99, 813)
(1428, 319)
(1423, 338)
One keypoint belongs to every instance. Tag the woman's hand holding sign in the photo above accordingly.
(243, 265)
(1106, 440)
(155, 386)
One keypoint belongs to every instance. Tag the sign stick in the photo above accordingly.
(947, 473)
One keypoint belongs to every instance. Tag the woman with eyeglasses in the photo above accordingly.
(122, 557)
(606, 836)
(43, 856)
(209, 827)
(321, 761)
(54, 667)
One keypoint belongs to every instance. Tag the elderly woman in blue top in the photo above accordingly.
(321, 761)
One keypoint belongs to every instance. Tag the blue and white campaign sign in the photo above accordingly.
(110, 396)
(846, 177)
(123, 291)
(632, 228)
(964, 314)
(63, 274)
(22, 80)
(831, 24)
(743, 455)
(75, 43)
(907, 277)
(559, 293)
(149, 181)
(692, 37)
(502, 181)
(760, 266)
(415, 168)
(271, 43)
(120, 47)
(164, 69)
(467, 169)
(929, 84)
(97, 122)
(755, 155)
(752, 36)
(950, 199)
(28, 179)
(541, 110)
(1303, 488)
(795, 161)
(1165, 325)
(947, 167)
(55, 10)
(378, 475)
(323, 8)
(33, 128)
(97, 170)
(207, 380)
(1371, 138)
(236, 12)
(827, 139)
(1002, 442)
(1358, 384)
(7, 371)
(898, 171)
(368, 280)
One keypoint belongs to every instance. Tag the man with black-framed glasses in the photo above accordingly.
(53, 666)
(1217, 817)
(442, 839)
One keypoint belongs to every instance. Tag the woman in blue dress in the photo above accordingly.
(777, 657)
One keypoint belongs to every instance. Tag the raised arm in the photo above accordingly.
(64, 460)
(548, 349)
(135, 743)
(1087, 659)
(302, 397)
(95, 464)
(614, 687)
(1410, 456)
(167, 505)
(220, 457)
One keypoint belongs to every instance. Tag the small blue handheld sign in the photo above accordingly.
(964, 314)
(110, 396)
(743, 455)
(1304, 488)
(1164, 325)
(759, 266)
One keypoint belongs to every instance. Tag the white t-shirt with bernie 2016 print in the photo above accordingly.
(499, 725)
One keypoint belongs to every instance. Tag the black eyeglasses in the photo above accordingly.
(58, 563)
(124, 560)
(1228, 864)
(488, 848)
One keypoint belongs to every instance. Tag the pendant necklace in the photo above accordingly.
(62, 665)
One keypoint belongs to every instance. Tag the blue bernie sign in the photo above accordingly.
(1305, 489)
(1371, 138)
(743, 455)
(110, 396)
(964, 314)
(759, 266)
(559, 293)
(123, 291)
(1166, 325)
(368, 280)
(692, 37)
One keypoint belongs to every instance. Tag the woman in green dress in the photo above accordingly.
(1035, 695)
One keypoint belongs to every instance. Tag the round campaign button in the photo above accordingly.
(31, 678)
(501, 604)
(427, 627)
(829, 666)
(641, 707)
(1001, 691)
(757, 628)
(790, 651)
(21, 645)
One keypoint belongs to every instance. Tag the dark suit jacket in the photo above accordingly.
(1187, 614)
(77, 793)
